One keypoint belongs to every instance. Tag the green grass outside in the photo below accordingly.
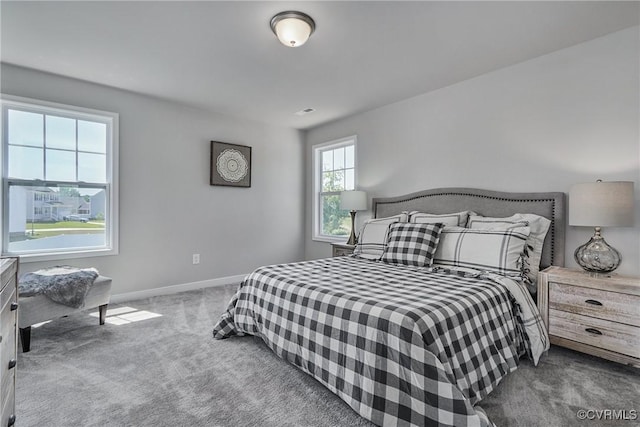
(97, 224)
(39, 234)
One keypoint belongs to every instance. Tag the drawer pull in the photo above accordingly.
(593, 302)
(593, 331)
(12, 363)
(12, 420)
(14, 306)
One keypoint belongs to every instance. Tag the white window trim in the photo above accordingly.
(316, 167)
(112, 177)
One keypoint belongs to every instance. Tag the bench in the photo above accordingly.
(39, 308)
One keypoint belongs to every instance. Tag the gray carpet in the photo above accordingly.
(169, 371)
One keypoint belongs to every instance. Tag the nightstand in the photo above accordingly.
(595, 315)
(342, 249)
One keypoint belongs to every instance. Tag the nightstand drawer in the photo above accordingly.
(342, 252)
(341, 249)
(595, 302)
(612, 336)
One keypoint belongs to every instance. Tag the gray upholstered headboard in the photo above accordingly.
(487, 203)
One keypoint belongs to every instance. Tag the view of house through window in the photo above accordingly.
(335, 171)
(43, 218)
(57, 194)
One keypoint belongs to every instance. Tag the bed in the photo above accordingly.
(406, 345)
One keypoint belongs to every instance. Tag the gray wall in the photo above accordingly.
(168, 210)
(541, 125)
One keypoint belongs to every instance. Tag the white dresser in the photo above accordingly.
(8, 339)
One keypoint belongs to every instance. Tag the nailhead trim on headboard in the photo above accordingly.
(554, 198)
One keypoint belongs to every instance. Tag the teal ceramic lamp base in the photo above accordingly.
(596, 256)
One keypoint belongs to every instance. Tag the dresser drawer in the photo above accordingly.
(7, 364)
(8, 294)
(598, 303)
(617, 337)
(8, 389)
(8, 409)
(8, 273)
(8, 325)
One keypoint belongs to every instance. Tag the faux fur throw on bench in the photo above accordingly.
(62, 284)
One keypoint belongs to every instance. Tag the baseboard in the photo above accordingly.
(174, 289)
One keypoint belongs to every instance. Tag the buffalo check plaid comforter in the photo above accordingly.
(403, 346)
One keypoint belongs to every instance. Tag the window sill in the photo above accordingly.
(325, 239)
(54, 256)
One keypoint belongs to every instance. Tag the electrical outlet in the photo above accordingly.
(196, 259)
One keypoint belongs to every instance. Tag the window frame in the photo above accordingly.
(111, 186)
(317, 151)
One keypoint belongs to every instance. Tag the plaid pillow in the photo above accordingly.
(539, 227)
(497, 251)
(374, 236)
(412, 244)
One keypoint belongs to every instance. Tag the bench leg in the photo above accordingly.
(25, 338)
(103, 313)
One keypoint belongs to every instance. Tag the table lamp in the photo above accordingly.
(353, 201)
(600, 204)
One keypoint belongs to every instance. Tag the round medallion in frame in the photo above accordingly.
(232, 165)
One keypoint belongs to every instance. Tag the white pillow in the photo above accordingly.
(457, 219)
(374, 235)
(539, 227)
(497, 251)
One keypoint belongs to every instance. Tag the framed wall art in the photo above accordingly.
(230, 164)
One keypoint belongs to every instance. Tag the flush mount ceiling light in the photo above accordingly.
(292, 28)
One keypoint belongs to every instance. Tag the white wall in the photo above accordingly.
(168, 210)
(541, 125)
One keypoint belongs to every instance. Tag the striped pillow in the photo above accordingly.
(496, 251)
(412, 244)
(458, 219)
(374, 236)
(539, 227)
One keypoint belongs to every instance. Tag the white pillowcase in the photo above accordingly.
(539, 227)
(374, 235)
(497, 251)
(457, 219)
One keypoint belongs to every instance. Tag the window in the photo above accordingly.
(334, 171)
(59, 189)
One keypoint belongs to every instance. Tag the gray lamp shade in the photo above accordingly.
(353, 200)
(601, 204)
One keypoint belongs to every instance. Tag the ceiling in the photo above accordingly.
(223, 57)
